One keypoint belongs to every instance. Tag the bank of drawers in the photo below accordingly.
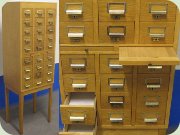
(157, 22)
(38, 41)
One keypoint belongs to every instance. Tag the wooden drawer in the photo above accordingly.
(50, 30)
(115, 101)
(38, 75)
(115, 10)
(27, 22)
(116, 83)
(77, 63)
(39, 22)
(157, 33)
(27, 60)
(154, 69)
(153, 83)
(79, 108)
(50, 22)
(50, 42)
(76, 33)
(49, 75)
(76, 10)
(115, 118)
(50, 13)
(27, 32)
(40, 30)
(38, 58)
(151, 102)
(150, 118)
(153, 10)
(116, 32)
(27, 12)
(39, 41)
(49, 57)
(39, 13)
(79, 83)
(27, 44)
(27, 77)
(110, 64)
(79, 129)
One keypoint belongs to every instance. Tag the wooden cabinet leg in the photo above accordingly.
(7, 104)
(21, 111)
(50, 104)
(34, 103)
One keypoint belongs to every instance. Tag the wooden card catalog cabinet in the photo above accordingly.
(123, 52)
(28, 49)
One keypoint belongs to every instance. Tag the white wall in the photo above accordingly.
(2, 2)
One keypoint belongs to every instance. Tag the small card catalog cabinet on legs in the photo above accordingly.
(28, 51)
(117, 62)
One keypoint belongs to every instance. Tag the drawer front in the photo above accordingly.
(79, 83)
(39, 22)
(27, 12)
(50, 42)
(116, 83)
(76, 33)
(27, 60)
(39, 12)
(27, 44)
(115, 101)
(80, 115)
(77, 63)
(150, 118)
(40, 30)
(157, 33)
(116, 32)
(39, 42)
(110, 64)
(49, 75)
(153, 10)
(50, 22)
(28, 22)
(50, 13)
(27, 77)
(76, 10)
(115, 118)
(153, 83)
(154, 69)
(117, 10)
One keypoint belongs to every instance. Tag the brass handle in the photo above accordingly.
(40, 12)
(49, 57)
(27, 86)
(27, 49)
(50, 12)
(117, 86)
(77, 66)
(74, 12)
(155, 67)
(27, 32)
(51, 22)
(27, 12)
(27, 41)
(116, 11)
(49, 80)
(39, 67)
(153, 86)
(49, 65)
(77, 118)
(39, 39)
(79, 86)
(27, 70)
(116, 120)
(115, 66)
(39, 59)
(120, 33)
(27, 78)
(150, 120)
(50, 30)
(49, 73)
(39, 83)
(50, 46)
(152, 104)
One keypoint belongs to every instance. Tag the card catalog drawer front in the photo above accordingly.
(76, 10)
(154, 83)
(39, 59)
(152, 10)
(50, 22)
(150, 118)
(39, 42)
(157, 33)
(50, 13)
(39, 13)
(114, 10)
(38, 75)
(116, 83)
(79, 83)
(27, 32)
(76, 33)
(27, 77)
(78, 63)
(27, 22)
(154, 69)
(78, 129)
(27, 12)
(115, 101)
(27, 44)
(50, 30)
(50, 42)
(27, 60)
(40, 30)
(49, 75)
(110, 64)
(151, 102)
(39, 22)
(116, 32)
(115, 118)
(49, 57)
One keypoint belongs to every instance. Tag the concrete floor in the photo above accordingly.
(34, 123)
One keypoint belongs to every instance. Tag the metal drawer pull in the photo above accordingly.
(77, 65)
(75, 35)
(27, 41)
(158, 9)
(49, 65)
(50, 38)
(50, 46)
(27, 12)
(116, 34)
(116, 31)
(27, 70)
(116, 12)
(153, 86)
(27, 86)
(27, 32)
(50, 12)
(51, 22)
(116, 8)
(27, 78)
(116, 102)
(115, 66)
(27, 49)
(155, 67)
(157, 35)
(49, 58)
(38, 83)
(27, 23)
(38, 67)
(79, 86)
(50, 30)
(116, 86)
(152, 103)
(39, 12)
(49, 80)
(159, 12)
(150, 120)
(49, 73)
(77, 119)
(39, 60)
(39, 39)
(116, 120)
(74, 12)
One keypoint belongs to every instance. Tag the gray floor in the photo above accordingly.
(34, 123)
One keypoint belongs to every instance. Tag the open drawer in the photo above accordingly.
(148, 56)
(79, 108)
(78, 129)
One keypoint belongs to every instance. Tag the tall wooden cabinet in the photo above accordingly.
(117, 62)
(28, 50)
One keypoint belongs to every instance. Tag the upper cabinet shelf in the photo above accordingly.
(148, 56)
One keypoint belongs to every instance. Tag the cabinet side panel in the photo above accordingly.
(11, 45)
